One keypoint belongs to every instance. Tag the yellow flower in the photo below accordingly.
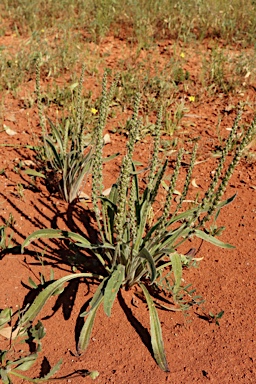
(191, 98)
(42, 30)
(182, 55)
(94, 111)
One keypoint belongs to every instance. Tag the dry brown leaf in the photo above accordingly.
(83, 196)
(193, 182)
(8, 333)
(106, 192)
(106, 139)
(9, 131)
(28, 163)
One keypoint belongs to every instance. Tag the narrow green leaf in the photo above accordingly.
(41, 233)
(177, 270)
(51, 274)
(3, 374)
(5, 316)
(108, 203)
(55, 158)
(113, 285)
(32, 172)
(97, 246)
(156, 332)
(113, 194)
(43, 296)
(54, 234)
(73, 86)
(86, 331)
(143, 216)
(98, 295)
(136, 162)
(219, 315)
(3, 354)
(56, 135)
(202, 235)
(139, 172)
(80, 241)
(172, 308)
(53, 370)
(38, 331)
(25, 363)
(227, 201)
(144, 254)
(32, 283)
(111, 157)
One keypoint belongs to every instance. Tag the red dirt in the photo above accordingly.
(197, 351)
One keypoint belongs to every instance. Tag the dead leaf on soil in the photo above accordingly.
(28, 163)
(9, 131)
(193, 182)
(106, 192)
(83, 196)
(106, 139)
(8, 333)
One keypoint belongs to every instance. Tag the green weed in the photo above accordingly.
(142, 21)
(131, 249)
(66, 146)
(14, 361)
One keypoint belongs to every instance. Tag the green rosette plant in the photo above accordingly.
(131, 250)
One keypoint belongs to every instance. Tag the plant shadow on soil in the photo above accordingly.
(69, 255)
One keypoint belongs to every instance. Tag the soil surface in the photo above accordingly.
(198, 350)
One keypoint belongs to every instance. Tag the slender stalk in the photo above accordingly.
(39, 98)
(97, 177)
(155, 159)
(238, 154)
(188, 179)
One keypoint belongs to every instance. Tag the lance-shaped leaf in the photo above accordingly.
(54, 234)
(98, 295)
(113, 285)
(5, 316)
(144, 254)
(202, 235)
(177, 270)
(156, 332)
(80, 241)
(52, 371)
(226, 202)
(86, 331)
(25, 363)
(4, 376)
(43, 296)
(32, 172)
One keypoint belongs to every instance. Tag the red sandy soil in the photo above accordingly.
(198, 351)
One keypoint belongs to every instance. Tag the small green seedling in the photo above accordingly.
(215, 318)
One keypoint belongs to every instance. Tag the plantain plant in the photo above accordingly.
(131, 250)
(68, 147)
